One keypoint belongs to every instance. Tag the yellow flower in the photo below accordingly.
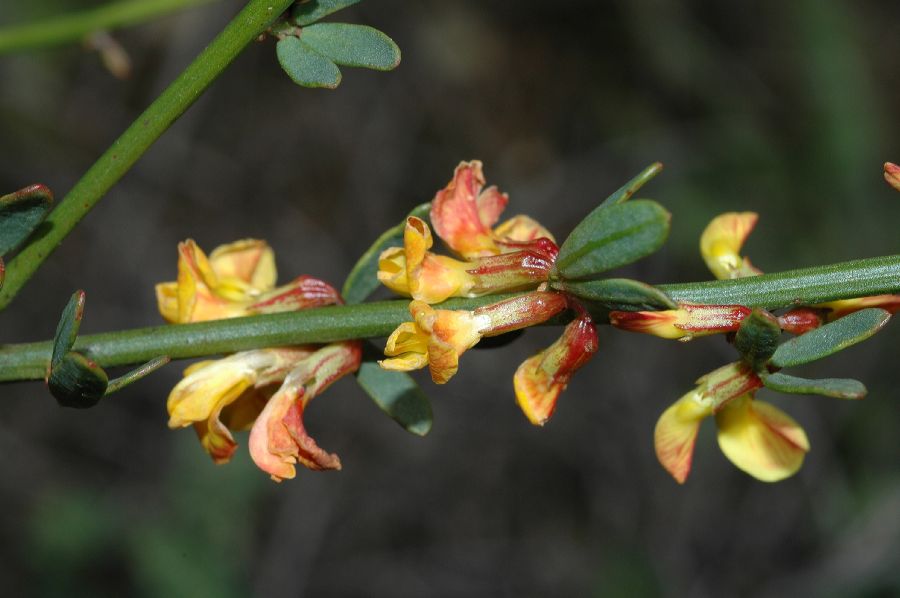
(415, 271)
(721, 242)
(689, 321)
(237, 279)
(437, 337)
(757, 437)
(541, 378)
(462, 215)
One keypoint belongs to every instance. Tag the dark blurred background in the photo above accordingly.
(788, 109)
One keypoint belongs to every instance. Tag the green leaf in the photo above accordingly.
(757, 338)
(67, 329)
(631, 187)
(620, 294)
(840, 388)
(305, 66)
(136, 374)
(352, 45)
(612, 236)
(830, 338)
(398, 395)
(76, 381)
(363, 278)
(310, 11)
(20, 213)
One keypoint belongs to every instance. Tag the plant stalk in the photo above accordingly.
(28, 361)
(74, 27)
(253, 20)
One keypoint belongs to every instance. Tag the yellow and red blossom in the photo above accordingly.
(463, 213)
(236, 279)
(541, 378)
(676, 430)
(757, 437)
(721, 242)
(278, 439)
(689, 321)
(227, 394)
(892, 175)
(437, 337)
(415, 271)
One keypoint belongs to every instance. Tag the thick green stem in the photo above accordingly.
(75, 27)
(127, 149)
(369, 320)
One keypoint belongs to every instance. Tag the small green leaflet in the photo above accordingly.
(20, 213)
(67, 329)
(841, 388)
(626, 191)
(830, 338)
(305, 66)
(612, 236)
(398, 395)
(620, 294)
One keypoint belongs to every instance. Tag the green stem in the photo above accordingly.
(75, 27)
(859, 278)
(253, 20)
(369, 320)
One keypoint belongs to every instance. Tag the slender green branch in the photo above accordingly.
(859, 278)
(254, 19)
(369, 320)
(74, 27)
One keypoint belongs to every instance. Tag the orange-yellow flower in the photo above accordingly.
(541, 378)
(892, 175)
(227, 394)
(278, 439)
(236, 279)
(462, 215)
(757, 437)
(689, 321)
(415, 271)
(437, 337)
(721, 242)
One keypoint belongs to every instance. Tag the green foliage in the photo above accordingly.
(626, 191)
(830, 338)
(619, 293)
(757, 338)
(310, 52)
(20, 213)
(305, 66)
(353, 45)
(307, 12)
(67, 329)
(613, 235)
(398, 395)
(841, 388)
